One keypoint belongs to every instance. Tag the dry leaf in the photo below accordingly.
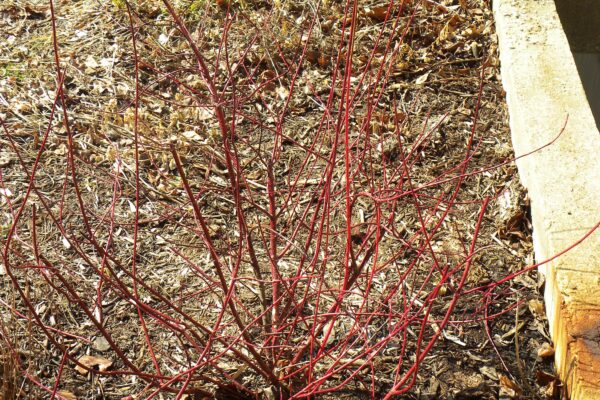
(543, 379)
(37, 12)
(490, 372)
(281, 367)
(550, 383)
(101, 344)
(269, 393)
(509, 388)
(545, 350)
(378, 13)
(66, 395)
(5, 192)
(91, 63)
(312, 56)
(23, 107)
(536, 308)
(66, 243)
(92, 362)
(552, 391)
(192, 135)
(5, 159)
(422, 79)
(163, 39)
(323, 60)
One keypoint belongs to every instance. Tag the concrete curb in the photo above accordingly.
(545, 94)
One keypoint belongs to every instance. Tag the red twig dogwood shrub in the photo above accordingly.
(264, 207)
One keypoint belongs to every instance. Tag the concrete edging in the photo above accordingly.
(544, 93)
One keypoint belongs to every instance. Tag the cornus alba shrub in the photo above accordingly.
(252, 200)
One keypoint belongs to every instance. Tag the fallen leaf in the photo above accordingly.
(543, 378)
(422, 79)
(163, 39)
(378, 13)
(37, 12)
(93, 362)
(91, 63)
(5, 159)
(490, 372)
(323, 60)
(536, 308)
(509, 388)
(552, 391)
(101, 344)
(66, 243)
(312, 56)
(269, 393)
(514, 330)
(192, 135)
(223, 3)
(545, 350)
(23, 107)
(66, 395)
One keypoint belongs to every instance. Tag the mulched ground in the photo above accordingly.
(433, 93)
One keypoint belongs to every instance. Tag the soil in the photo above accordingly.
(427, 145)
